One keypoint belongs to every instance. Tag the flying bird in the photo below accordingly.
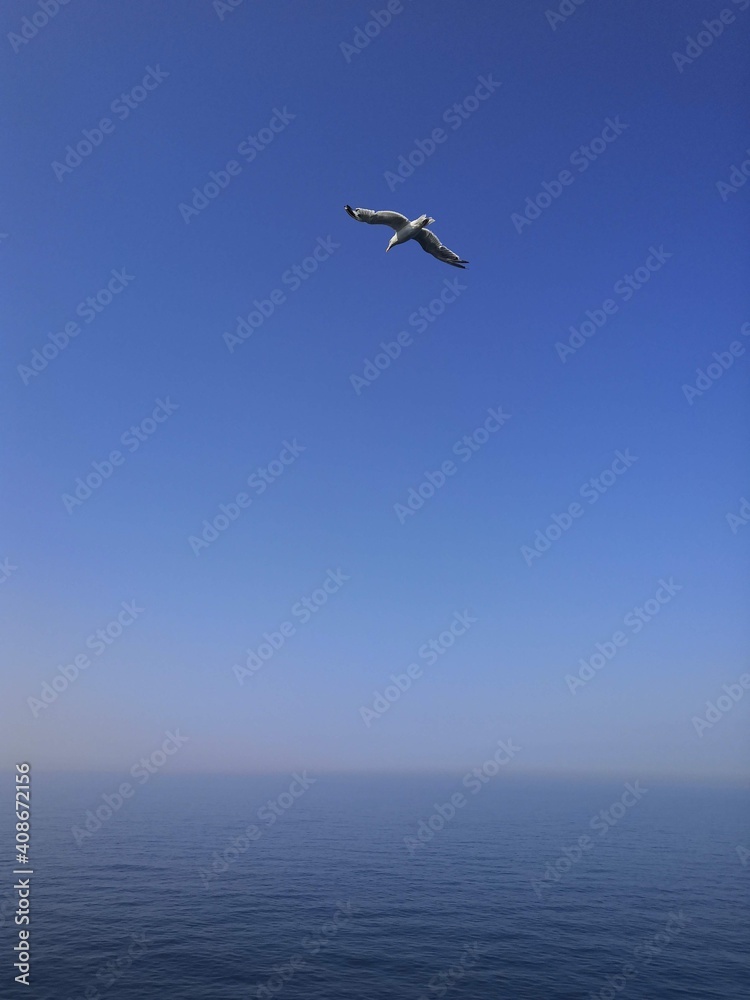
(406, 230)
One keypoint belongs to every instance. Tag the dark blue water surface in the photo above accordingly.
(327, 901)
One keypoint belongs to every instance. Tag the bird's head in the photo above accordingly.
(391, 244)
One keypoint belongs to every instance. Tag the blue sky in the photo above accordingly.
(182, 87)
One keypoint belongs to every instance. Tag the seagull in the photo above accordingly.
(406, 230)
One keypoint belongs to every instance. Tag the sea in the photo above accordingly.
(378, 887)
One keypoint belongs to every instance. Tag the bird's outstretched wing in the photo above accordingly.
(429, 242)
(393, 219)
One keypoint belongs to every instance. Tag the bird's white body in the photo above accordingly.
(408, 231)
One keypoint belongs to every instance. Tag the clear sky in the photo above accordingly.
(481, 105)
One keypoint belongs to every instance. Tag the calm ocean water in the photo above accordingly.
(197, 888)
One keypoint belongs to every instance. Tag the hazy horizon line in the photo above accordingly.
(453, 772)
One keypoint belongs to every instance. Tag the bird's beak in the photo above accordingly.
(387, 249)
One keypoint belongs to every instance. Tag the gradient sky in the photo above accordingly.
(354, 115)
